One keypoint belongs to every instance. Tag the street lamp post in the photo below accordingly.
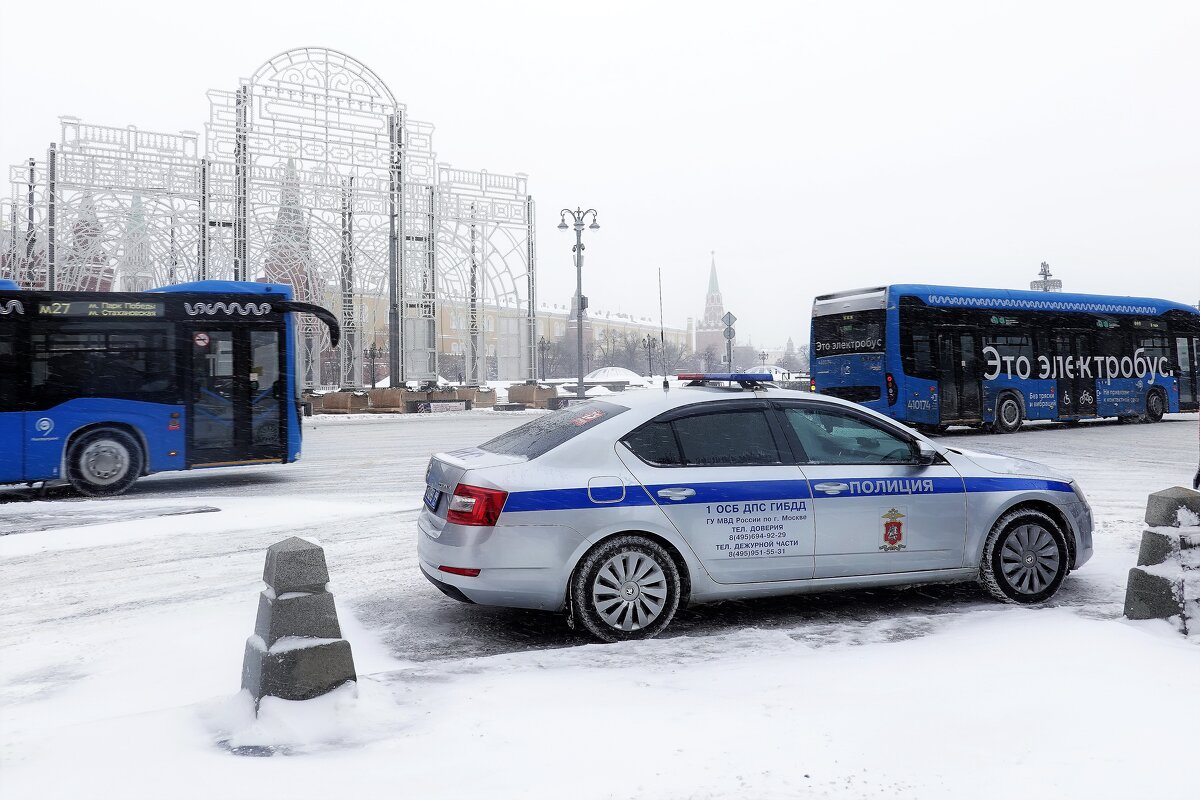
(578, 217)
(763, 357)
(373, 352)
(543, 348)
(649, 345)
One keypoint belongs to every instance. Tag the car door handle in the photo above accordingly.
(677, 493)
(832, 488)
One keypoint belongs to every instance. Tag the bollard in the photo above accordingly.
(1166, 581)
(297, 651)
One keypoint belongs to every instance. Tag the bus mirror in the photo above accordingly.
(320, 312)
(926, 455)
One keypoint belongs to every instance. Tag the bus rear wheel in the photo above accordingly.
(1008, 415)
(1156, 406)
(104, 462)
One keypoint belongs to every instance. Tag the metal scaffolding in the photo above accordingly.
(311, 174)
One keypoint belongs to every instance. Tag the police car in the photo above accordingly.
(620, 509)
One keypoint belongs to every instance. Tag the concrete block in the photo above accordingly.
(531, 394)
(1150, 596)
(300, 615)
(1157, 548)
(1162, 507)
(299, 673)
(295, 565)
(344, 402)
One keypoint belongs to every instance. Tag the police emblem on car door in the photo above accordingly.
(893, 530)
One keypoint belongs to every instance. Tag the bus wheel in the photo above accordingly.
(1156, 406)
(104, 462)
(1008, 415)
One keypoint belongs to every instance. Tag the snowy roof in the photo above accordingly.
(612, 375)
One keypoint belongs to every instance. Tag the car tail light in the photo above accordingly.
(474, 505)
(893, 394)
(464, 571)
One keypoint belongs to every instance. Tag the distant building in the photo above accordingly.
(557, 322)
(710, 332)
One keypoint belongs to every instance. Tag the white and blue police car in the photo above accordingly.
(621, 508)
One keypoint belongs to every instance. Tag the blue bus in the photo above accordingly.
(99, 388)
(935, 356)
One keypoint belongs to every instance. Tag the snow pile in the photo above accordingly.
(352, 715)
(122, 644)
(1186, 518)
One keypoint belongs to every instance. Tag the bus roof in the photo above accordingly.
(229, 287)
(1002, 300)
(201, 287)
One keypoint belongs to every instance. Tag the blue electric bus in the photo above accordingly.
(934, 356)
(99, 388)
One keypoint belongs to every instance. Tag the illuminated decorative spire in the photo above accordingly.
(134, 267)
(288, 257)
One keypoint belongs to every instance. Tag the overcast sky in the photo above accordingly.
(813, 146)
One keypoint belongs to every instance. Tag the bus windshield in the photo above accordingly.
(844, 334)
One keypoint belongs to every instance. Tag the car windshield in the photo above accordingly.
(539, 436)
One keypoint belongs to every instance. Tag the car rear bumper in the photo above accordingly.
(520, 566)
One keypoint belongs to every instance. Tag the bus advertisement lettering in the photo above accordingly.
(1067, 366)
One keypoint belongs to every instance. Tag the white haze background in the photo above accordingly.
(814, 146)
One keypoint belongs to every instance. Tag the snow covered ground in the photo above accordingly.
(122, 625)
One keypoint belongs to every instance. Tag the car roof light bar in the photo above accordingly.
(746, 379)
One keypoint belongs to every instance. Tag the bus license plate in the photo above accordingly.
(432, 496)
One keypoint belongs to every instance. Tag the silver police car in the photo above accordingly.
(621, 508)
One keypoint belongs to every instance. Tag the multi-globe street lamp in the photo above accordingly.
(372, 353)
(578, 217)
(543, 348)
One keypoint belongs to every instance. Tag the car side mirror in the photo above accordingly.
(926, 455)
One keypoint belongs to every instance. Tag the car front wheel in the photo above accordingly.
(104, 462)
(1024, 558)
(626, 588)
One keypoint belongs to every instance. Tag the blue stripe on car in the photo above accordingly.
(731, 491)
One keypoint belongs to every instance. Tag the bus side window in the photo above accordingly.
(917, 353)
(10, 394)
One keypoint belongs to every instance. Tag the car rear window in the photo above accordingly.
(715, 439)
(540, 436)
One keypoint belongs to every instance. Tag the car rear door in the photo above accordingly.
(725, 478)
(876, 510)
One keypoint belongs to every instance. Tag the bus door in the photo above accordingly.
(1189, 367)
(961, 389)
(237, 400)
(1076, 395)
(13, 392)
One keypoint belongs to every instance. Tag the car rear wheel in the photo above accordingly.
(1025, 558)
(626, 588)
(1008, 415)
(104, 462)
(1156, 406)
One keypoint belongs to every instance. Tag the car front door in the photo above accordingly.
(877, 509)
(725, 478)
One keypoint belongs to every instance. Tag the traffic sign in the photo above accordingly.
(729, 333)
(728, 319)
